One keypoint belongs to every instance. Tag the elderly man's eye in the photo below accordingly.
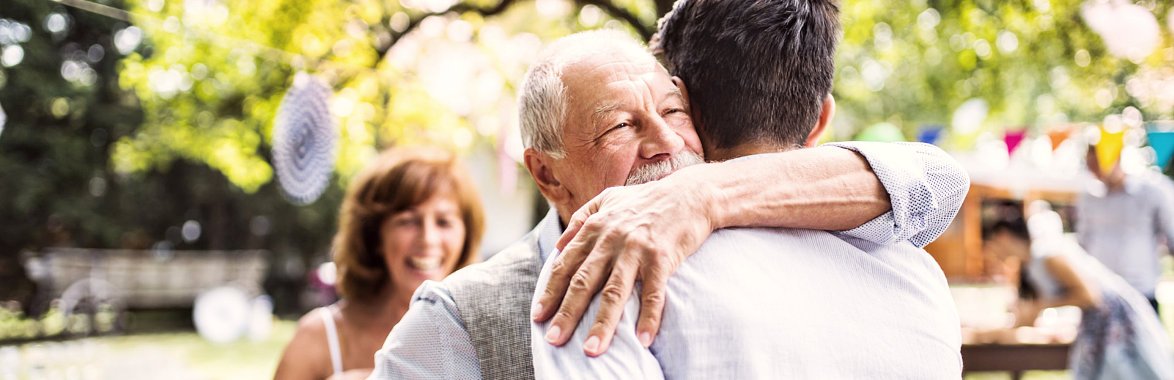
(620, 125)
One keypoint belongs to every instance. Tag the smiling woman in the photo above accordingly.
(411, 215)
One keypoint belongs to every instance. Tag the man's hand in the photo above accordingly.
(624, 234)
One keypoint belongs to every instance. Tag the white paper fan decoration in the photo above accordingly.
(3, 119)
(303, 140)
(1170, 20)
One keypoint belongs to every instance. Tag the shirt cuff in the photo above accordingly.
(902, 171)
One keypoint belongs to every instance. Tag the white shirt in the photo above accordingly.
(1123, 229)
(775, 303)
(926, 188)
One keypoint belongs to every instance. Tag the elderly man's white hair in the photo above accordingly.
(543, 98)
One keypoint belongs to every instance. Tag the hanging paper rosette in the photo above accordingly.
(1170, 20)
(3, 119)
(303, 140)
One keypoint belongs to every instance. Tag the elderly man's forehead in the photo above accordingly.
(613, 68)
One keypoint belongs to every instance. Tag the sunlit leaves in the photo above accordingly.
(203, 74)
(1015, 55)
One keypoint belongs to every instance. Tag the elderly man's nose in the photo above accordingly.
(661, 139)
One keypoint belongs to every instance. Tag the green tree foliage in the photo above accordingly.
(1034, 61)
(121, 150)
(60, 188)
(53, 148)
(213, 72)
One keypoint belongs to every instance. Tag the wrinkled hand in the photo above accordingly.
(624, 234)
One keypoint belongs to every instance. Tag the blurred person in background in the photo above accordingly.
(1122, 220)
(1118, 337)
(409, 216)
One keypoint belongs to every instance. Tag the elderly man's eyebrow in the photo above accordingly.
(602, 110)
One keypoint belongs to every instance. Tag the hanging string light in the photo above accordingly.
(304, 137)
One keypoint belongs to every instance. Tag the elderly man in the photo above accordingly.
(751, 303)
(597, 112)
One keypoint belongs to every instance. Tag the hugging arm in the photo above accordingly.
(646, 231)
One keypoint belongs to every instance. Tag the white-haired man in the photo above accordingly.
(750, 302)
(598, 111)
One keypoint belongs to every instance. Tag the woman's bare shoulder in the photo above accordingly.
(307, 355)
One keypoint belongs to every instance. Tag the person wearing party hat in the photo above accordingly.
(1124, 217)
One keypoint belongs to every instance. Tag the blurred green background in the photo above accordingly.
(129, 121)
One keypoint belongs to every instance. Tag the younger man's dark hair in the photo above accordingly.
(756, 70)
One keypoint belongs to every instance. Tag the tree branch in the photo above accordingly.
(612, 10)
(415, 21)
(624, 15)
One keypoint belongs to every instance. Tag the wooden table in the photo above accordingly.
(1014, 358)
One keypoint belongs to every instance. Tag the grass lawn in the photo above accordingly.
(184, 355)
(180, 355)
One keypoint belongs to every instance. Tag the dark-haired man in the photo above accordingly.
(756, 303)
(597, 111)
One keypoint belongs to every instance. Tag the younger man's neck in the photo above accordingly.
(746, 149)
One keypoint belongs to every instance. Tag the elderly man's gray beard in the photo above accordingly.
(658, 170)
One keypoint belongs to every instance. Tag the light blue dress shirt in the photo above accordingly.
(926, 188)
(1123, 229)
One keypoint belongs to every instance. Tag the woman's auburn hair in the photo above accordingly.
(397, 180)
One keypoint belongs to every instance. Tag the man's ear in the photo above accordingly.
(539, 165)
(694, 115)
(826, 112)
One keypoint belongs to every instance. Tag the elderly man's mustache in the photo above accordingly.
(660, 169)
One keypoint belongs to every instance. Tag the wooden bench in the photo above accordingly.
(1014, 358)
(89, 281)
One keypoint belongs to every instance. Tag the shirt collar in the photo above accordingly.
(752, 156)
(1132, 184)
(549, 230)
(1098, 189)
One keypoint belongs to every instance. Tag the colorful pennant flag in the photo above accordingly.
(1109, 149)
(930, 134)
(1059, 134)
(1163, 144)
(1013, 139)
